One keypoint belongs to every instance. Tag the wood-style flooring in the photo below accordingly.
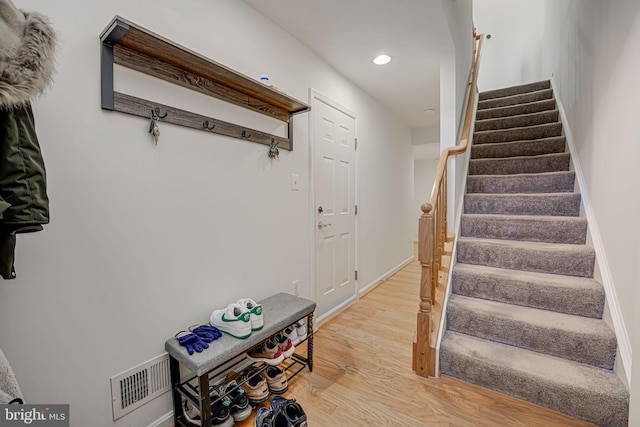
(362, 373)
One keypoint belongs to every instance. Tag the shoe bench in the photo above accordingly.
(225, 353)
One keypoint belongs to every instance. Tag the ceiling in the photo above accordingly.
(349, 34)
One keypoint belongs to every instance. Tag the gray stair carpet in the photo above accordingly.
(526, 315)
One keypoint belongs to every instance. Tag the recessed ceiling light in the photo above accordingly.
(381, 59)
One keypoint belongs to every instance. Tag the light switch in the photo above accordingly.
(295, 182)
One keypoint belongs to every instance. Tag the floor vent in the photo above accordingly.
(139, 385)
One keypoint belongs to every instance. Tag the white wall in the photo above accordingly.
(591, 52)
(455, 69)
(424, 173)
(514, 53)
(147, 240)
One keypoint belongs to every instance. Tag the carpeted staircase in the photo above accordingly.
(525, 314)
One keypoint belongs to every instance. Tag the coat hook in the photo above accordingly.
(245, 134)
(156, 112)
(205, 125)
(273, 149)
(154, 130)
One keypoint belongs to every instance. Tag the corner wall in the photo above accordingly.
(146, 240)
(590, 50)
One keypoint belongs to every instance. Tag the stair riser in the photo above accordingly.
(568, 262)
(587, 302)
(517, 110)
(515, 100)
(523, 204)
(517, 121)
(585, 404)
(515, 90)
(519, 148)
(518, 134)
(571, 231)
(520, 165)
(542, 183)
(592, 350)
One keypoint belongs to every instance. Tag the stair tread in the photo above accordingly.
(536, 317)
(552, 182)
(580, 390)
(502, 123)
(556, 247)
(556, 370)
(525, 107)
(515, 90)
(486, 132)
(552, 143)
(517, 99)
(541, 218)
(512, 158)
(537, 278)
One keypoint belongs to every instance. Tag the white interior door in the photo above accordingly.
(335, 187)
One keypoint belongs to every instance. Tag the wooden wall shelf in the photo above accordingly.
(129, 45)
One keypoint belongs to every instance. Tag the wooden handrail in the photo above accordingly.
(432, 237)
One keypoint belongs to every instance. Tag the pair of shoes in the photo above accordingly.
(276, 379)
(239, 319)
(254, 385)
(285, 343)
(283, 413)
(297, 332)
(269, 352)
(237, 399)
(220, 413)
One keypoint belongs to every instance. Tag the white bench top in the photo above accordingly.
(279, 311)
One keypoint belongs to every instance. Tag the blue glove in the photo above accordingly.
(206, 333)
(191, 342)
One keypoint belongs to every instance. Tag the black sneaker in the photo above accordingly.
(220, 415)
(291, 409)
(270, 418)
(238, 401)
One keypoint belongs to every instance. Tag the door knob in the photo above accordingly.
(320, 210)
(322, 225)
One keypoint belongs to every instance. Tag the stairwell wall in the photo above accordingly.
(146, 240)
(590, 51)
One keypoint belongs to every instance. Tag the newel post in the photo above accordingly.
(423, 356)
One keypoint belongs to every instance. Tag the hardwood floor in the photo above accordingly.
(362, 373)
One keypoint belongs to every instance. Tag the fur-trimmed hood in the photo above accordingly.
(27, 46)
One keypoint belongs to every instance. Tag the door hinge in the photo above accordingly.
(356, 274)
(356, 144)
(356, 211)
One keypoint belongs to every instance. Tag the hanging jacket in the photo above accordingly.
(27, 44)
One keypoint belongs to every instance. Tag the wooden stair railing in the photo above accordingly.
(433, 241)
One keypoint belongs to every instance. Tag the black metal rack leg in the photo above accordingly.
(174, 369)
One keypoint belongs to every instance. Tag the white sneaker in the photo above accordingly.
(257, 319)
(301, 329)
(233, 320)
(291, 333)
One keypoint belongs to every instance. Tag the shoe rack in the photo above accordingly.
(193, 376)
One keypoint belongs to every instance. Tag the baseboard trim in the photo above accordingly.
(371, 286)
(320, 320)
(624, 344)
(164, 421)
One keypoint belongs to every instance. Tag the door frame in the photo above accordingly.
(314, 97)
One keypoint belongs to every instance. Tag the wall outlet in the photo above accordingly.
(295, 286)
